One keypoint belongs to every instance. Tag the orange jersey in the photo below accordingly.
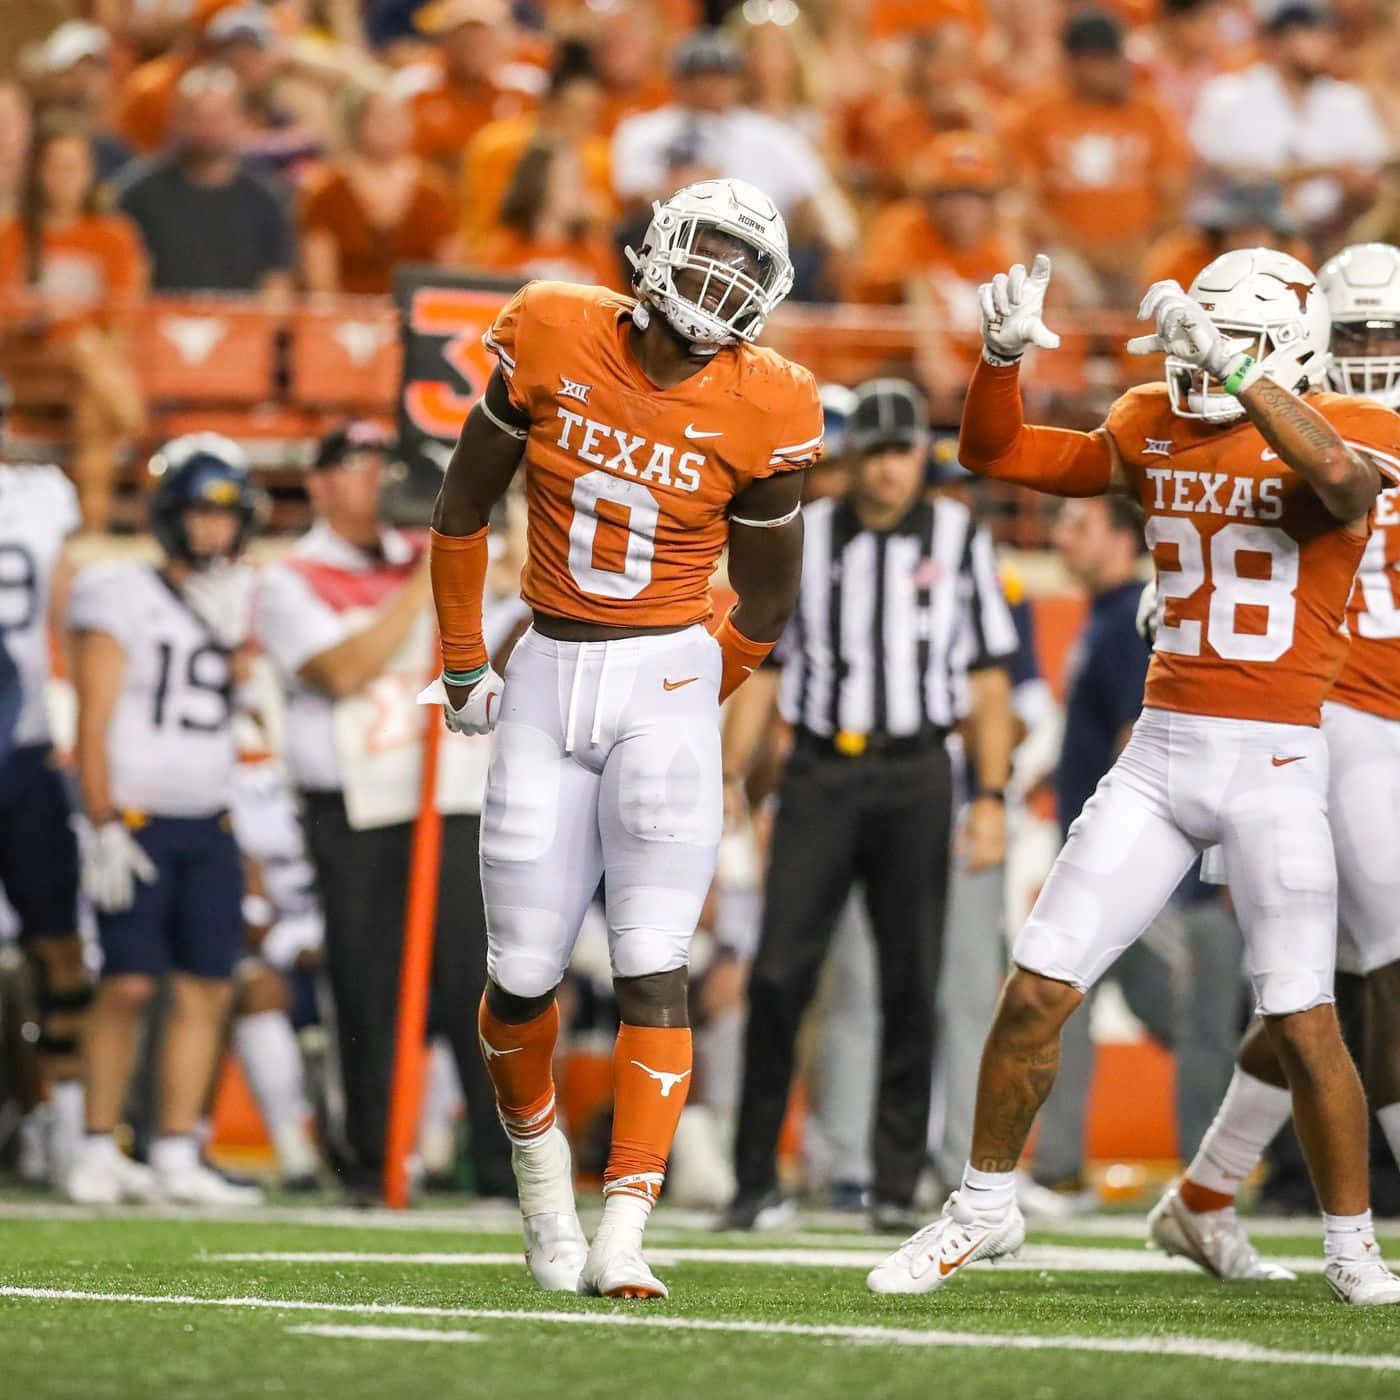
(628, 486)
(1100, 166)
(904, 242)
(1370, 679)
(1253, 572)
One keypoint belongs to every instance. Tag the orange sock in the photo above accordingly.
(1202, 1198)
(651, 1078)
(520, 1061)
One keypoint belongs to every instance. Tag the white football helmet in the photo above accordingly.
(723, 303)
(1264, 302)
(1362, 287)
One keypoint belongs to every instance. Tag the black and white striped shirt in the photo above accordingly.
(889, 624)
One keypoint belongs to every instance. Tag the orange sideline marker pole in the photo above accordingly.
(420, 915)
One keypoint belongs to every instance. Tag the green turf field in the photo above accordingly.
(308, 1304)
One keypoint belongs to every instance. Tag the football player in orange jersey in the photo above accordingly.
(1361, 723)
(653, 432)
(1257, 490)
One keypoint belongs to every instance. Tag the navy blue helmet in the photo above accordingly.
(200, 469)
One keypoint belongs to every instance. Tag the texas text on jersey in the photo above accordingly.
(652, 432)
(629, 486)
(1253, 573)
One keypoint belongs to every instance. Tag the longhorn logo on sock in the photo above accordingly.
(667, 1081)
(490, 1052)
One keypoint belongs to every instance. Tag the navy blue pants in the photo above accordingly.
(38, 850)
(191, 919)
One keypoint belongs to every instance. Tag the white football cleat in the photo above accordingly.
(198, 1185)
(618, 1272)
(555, 1248)
(555, 1245)
(101, 1175)
(1364, 1282)
(928, 1259)
(1213, 1239)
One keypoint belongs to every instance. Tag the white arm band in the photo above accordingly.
(519, 433)
(767, 524)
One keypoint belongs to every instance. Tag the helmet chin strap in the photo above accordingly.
(641, 318)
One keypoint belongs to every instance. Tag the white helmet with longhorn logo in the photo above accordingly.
(1263, 302)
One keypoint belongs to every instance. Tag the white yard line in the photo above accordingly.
(814, 1227)
(1195, 1347)
(386, 1334)
(1032, 1258)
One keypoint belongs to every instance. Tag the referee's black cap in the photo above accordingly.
(888, 413)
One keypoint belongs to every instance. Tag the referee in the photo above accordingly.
(900, 632)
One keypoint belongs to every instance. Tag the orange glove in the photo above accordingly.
(741, 656)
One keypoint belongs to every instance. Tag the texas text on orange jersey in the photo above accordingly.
(1370, 678)
(628, 486)
(1253, 573)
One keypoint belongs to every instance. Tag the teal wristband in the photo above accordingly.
(1234, 382)
(465, 677)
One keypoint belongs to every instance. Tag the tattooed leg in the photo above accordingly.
(1018, 1066)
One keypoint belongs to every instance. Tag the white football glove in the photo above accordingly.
(1147, 613)
(1184, 331)
(112, 863)
(479, 711)
(1012, 303)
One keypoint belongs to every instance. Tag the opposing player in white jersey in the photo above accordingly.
(153, 658)
(38, 849)
(1361, 723)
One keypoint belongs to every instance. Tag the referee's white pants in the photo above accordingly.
(605, 767)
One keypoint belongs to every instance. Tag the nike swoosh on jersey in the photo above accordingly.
(1268, 455)
(1279, 762)
(676, 685)
(692, 432)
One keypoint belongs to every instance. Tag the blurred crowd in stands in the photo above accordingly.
(915, 147)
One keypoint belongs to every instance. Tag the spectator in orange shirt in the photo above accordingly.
(374, 207)
(234, 36)
(940, 91)
(76, 275)
(1103, 164)
(947, 231)
(473, 84)
(570, 114)
(548, 226)
(1233, 215)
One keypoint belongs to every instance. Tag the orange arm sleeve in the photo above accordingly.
(740, 655)
(996, 442)
(458, 567)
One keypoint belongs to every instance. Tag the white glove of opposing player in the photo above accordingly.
(1012, 303)
(1146, 620)
(479, 711)
(112, 863)
(1184, 330)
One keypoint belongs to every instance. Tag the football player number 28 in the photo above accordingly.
(612, 536)
(1270, 601)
